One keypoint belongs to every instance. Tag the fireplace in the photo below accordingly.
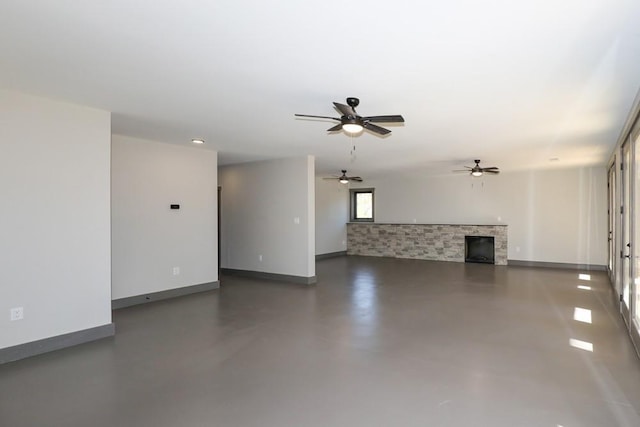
(435, 242)
(479, 249)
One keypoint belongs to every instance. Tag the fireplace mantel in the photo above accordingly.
(437, 242)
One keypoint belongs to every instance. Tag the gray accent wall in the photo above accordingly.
(156, 248)
(55, 218)
(268, 216)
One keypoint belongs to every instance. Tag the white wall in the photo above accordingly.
(332, 214)
(150, 239)
(54, 218)
(260, 202)
(554, 215)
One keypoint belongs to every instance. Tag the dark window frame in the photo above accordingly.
(353, 192)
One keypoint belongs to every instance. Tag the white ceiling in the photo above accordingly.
(514, 83)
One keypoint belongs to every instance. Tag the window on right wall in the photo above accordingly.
(361, 204)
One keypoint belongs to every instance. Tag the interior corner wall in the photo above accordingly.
(268, 216)
(54, 221)
(553, 215)
(149, 238)
(332, 215)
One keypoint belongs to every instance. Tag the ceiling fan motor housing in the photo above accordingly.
(352, 123)
(351, 120)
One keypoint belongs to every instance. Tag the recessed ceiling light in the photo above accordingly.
(198, 141)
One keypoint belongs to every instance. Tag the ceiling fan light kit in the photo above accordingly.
(353, 123)
(477, 171)
(352, 128)
(344, 179)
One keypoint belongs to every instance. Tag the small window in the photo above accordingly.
(362, 204)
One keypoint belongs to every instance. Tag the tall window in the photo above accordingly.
(362, 204)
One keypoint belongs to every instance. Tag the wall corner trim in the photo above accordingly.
(46, 345)
(161, 295)
(271, 276)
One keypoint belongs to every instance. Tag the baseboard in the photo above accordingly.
(270, 276)
(331, 255)
(635, 339)
(157, 296)
(563, 265)
(34, 348)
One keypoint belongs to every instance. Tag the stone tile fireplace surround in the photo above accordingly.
(436, 242)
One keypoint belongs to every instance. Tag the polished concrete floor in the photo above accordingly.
(377, 342)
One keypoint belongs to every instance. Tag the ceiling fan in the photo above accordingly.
(352, 123)
(344, 179)
(479, 171)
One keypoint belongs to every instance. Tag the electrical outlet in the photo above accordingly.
(176, 271)
(16, 313)
(260, 258)
(296, 220)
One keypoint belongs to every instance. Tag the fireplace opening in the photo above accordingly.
(479, 249)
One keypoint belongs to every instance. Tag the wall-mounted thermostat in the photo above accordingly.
(175, 206)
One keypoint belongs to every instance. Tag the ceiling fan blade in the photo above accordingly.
(345, 109)
(355, 178)
(461, 170)
(490, 168)
(335, 128)
(331, 177)
(375, 128)
(385, 119)
(491, 171)
(316, 117)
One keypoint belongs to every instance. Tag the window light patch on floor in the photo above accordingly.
(582, 315)
(586, 288)
(584, 276)
(582, 345)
